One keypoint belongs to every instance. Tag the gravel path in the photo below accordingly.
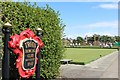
(105, 67)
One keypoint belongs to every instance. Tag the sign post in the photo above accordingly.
(27, 46)
(6, 56)
(39, 34)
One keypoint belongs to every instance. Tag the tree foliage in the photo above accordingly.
(80, 39)
(117, 38)
(24, 15)
(106, 39)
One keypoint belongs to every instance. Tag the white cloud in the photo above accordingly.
(89, 34)
(74, 36)
(109, 28)
(111, 24)
(99, 33)
(108, 6)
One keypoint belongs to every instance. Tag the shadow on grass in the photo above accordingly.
(81, 63)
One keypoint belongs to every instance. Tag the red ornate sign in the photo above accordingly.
(26, 46)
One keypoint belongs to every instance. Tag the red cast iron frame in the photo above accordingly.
(15, 42)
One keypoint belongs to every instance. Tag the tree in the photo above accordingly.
(96, 37)
(90, 39)
(106, 38)
(80, 39)
(74, 41)
(117, 38)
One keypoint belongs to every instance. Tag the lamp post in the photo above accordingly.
(39, 33)
(6, 57)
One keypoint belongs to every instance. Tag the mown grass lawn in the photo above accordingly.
(84, 56)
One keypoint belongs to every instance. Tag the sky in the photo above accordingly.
(63, 0)
(87, 18)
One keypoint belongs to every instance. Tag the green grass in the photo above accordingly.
(84, 56)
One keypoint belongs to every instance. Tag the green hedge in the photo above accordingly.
(24, 15)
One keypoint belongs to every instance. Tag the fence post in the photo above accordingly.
(6, 56)
(39, 34)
